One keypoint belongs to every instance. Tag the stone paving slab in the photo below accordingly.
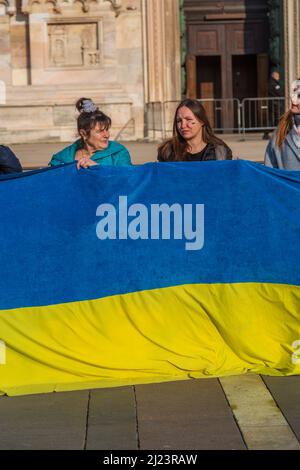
(260, 420)
(186, 415)
(274, 438)
(50, 421)
(189, 415)
(112, 420)
(286, 393)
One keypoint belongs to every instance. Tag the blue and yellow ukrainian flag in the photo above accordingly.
(78, 312)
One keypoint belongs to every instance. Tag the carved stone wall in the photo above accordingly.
(74, 45)
(53, 52)
(121, 53)
(7, 6)
(72, 42)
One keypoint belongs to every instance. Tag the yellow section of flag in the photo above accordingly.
(174, 333)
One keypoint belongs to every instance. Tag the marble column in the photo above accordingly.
(2, 92)
(162, 49)
(162, 70)
(6, 9)
(291, 40)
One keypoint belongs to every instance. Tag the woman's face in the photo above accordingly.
(98, 138)
(295, 97)
(187, 123)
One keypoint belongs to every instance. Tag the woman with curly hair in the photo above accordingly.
(94, 146)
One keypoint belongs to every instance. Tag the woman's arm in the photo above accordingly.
(85, 162)
(223, 152)
(165, 152)
(55, 161)
(123, 158)
(270, 156)
(228, 153)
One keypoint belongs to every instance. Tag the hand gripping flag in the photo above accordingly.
(122, 275)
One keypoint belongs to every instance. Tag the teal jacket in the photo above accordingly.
(115, 154)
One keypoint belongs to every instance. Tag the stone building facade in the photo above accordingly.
(121, 53)
(124, 54)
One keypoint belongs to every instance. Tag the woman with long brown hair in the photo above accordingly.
(193, 138)
(283, 150)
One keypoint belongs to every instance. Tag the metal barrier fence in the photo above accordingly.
(225, 115)
(261, 114)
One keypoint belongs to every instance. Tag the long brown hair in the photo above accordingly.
(177, 145)
(284, 126)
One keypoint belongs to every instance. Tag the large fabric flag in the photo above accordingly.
(115, 276)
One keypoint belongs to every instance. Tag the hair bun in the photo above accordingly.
(86, 105)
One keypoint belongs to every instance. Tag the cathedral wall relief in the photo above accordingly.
(75, 44)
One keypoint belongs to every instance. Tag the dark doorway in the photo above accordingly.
(244, 83)
(209, 77)
(244, 76)
(209, 85)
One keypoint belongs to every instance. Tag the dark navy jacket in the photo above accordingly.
(9, 163)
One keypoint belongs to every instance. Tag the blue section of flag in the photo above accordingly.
(50, 252)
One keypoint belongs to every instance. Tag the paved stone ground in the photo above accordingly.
(38, 155)
(185, 415)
